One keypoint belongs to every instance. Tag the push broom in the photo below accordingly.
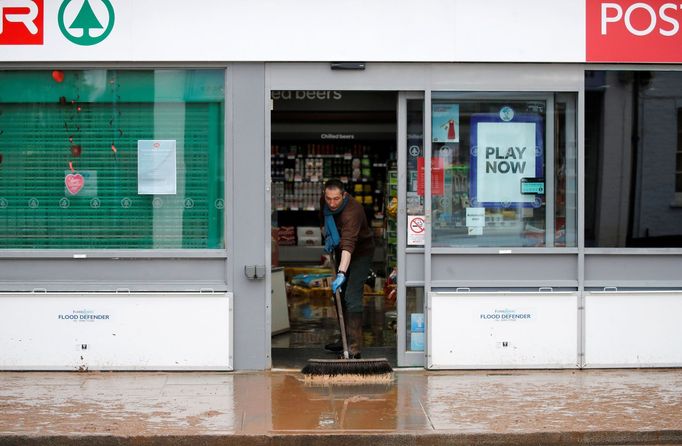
(346, 370)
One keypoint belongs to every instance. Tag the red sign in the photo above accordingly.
(633, 31)
(437, 178)
(21, 22)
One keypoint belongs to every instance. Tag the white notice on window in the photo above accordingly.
(475, 217)
(156, 170)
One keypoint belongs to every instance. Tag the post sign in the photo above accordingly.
(633, 31)
(505, 148)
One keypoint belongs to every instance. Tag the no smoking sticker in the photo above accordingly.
(416, 226)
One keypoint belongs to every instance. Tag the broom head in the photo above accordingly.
(348, 371)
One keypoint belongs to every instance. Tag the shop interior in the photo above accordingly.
(318, 135)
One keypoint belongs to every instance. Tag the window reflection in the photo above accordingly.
(633, 124)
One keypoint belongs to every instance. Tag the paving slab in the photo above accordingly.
(278, 408)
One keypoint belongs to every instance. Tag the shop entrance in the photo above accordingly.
(316, 136)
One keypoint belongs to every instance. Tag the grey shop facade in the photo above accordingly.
(601, 235)
(159, 215)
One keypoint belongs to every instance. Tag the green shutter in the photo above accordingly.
(36, 210)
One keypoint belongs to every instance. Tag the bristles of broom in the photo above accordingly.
(348, 370)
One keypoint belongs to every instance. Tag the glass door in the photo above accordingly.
(411, 229)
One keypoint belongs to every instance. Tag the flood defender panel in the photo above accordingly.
(502, 330)
(117, 331)
(633, 329)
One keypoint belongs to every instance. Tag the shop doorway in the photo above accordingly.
(315, 136)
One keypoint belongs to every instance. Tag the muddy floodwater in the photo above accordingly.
(585, 402)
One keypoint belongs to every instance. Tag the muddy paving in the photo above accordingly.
(477, 402)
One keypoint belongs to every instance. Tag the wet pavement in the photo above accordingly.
(419, 408)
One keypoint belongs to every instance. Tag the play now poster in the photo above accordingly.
(506, 148)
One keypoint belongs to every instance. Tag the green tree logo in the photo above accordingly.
(86, 20)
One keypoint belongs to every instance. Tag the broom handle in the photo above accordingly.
(342, 325)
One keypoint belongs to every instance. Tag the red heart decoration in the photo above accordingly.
(74, 183)
(58, 76)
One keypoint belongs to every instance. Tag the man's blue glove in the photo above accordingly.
(336, 284)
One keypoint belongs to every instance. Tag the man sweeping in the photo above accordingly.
(349, 237)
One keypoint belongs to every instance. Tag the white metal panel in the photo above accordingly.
(46, 331)
(633, 329)
(280, 310)
(311, 30)
(502, 330)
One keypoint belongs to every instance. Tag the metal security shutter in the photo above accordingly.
(38, 141)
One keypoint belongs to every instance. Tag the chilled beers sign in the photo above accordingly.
(633, 31)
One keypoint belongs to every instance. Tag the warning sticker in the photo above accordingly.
(416, 227)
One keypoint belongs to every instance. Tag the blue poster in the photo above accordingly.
(417, 322)
(417, 342)
(445, 122)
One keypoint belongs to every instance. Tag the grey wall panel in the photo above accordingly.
(428, 76)
(505, 270)
(251, 231)
(624, 270)
(111, 274)
(414, 267)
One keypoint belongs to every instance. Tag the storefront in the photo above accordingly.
(158, 188)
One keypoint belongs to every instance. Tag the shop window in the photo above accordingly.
(105, 159)
(633, 156)
(678, 160)
(503, 170)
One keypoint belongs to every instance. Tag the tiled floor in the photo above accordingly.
(477, 402)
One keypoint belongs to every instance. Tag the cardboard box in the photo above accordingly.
(309, 241)
(309, 232)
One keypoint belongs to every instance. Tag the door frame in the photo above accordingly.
(408, 79)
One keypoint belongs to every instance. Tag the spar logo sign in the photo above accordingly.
(86, 22)
(633, 31)
(82, 22)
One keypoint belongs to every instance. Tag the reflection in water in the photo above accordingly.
(357, 407)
